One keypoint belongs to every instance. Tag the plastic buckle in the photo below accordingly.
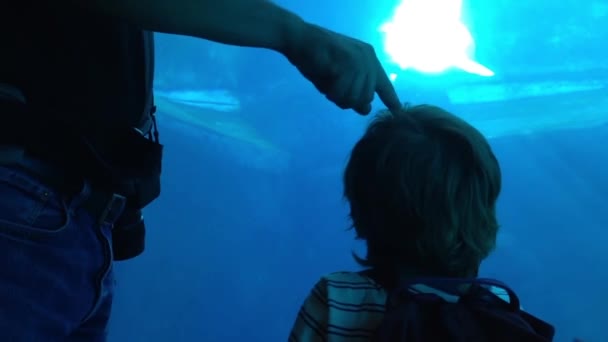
(113, 209)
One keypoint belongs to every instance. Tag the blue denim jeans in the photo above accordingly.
(56, 279)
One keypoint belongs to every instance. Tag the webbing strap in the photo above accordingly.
(146, 125)
(11, 93)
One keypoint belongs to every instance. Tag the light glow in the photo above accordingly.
(429, 36)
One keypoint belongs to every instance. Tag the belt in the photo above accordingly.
(104, 206)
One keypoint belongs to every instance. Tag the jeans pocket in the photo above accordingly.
(30, 210)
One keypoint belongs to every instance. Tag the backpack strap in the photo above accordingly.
(147, 125)
(473, 289)
(453, 309)
(11, 93)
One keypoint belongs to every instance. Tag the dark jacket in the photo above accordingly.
(87, 80)
(87, 84)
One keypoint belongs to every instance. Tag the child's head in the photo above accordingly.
(422, 185)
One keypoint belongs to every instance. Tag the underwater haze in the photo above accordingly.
(252, 214)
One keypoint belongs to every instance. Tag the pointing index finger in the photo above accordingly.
(386, 91)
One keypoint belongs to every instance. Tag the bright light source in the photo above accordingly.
(428, 35)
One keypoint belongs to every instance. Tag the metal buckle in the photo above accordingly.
(113, 209)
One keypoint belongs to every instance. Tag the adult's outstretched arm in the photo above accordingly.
(253, 23)
(345, 70)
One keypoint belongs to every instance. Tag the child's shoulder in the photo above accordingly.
(348, 279)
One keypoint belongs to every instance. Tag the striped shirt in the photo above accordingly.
(346, 306)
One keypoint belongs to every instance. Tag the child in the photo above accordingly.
(422, 185)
